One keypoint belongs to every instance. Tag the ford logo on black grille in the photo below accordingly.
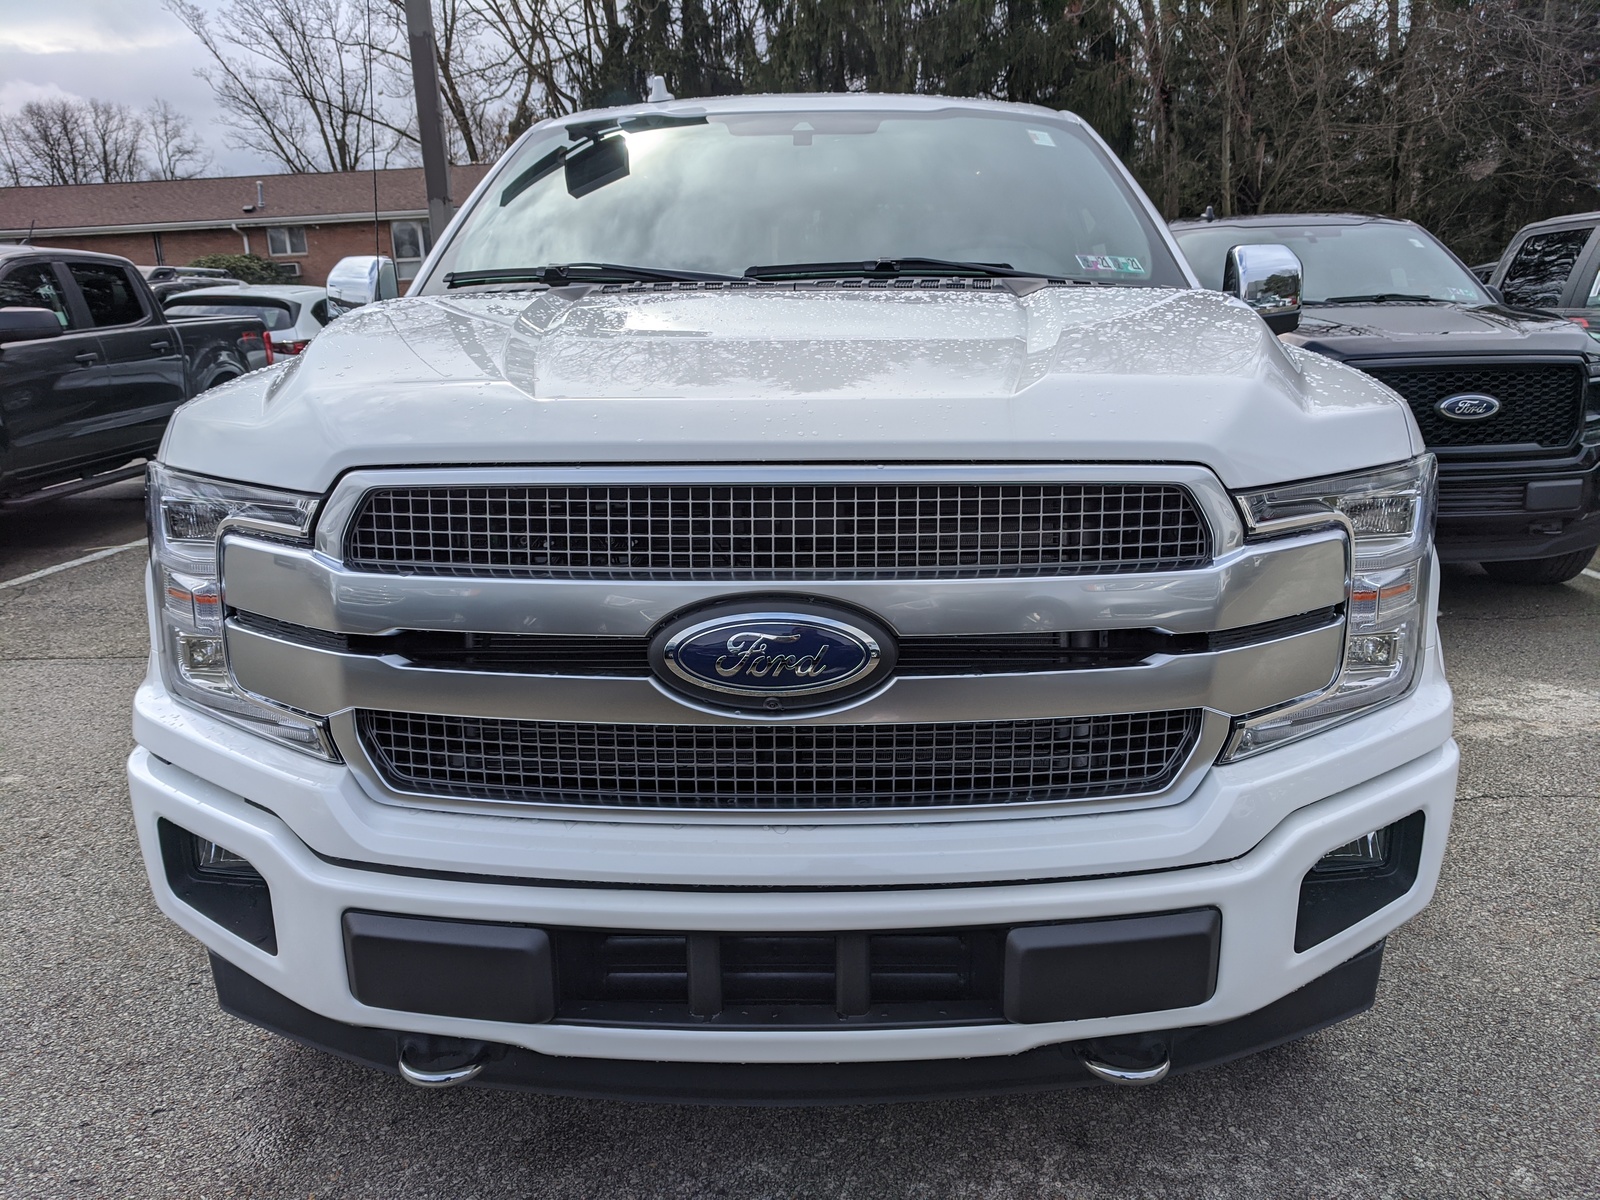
(780, 656)
(1468, 406)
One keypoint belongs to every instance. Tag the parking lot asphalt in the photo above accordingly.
(1475, 1075)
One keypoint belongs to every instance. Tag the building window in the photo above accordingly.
(286, 239)
(411, 241)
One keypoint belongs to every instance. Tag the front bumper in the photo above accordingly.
(1255, 892)
(1491, 511)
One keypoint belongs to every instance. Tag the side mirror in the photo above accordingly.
(1495, 294)
(1267, 278)
(359, 280)
(28, 324)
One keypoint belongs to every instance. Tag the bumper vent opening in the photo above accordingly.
(944, 977)
(218, 884)
(1334, 897)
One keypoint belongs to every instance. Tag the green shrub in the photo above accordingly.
(250, 268)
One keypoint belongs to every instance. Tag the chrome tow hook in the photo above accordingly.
(1128, 1076)
(1131, 1060)
(439, 1077)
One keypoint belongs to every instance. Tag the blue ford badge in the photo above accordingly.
(781, 657)
(1468, 406)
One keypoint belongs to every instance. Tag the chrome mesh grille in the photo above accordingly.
(779, 767)
(805, 531)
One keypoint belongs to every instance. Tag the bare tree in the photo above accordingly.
(174, 151)
(473, 77)
(72, 141)
(294, 78)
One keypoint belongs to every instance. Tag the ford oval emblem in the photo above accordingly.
(1468, 406)
(789, 656)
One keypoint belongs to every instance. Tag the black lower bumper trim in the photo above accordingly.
(1492, 512)
(1343, 992)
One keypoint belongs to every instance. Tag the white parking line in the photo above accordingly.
(76, 562)
(1591, 574)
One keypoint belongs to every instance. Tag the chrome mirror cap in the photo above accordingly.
(360, 279)
(1267, 278)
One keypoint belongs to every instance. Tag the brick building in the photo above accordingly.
(306, 223)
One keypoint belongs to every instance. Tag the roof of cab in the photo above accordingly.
(1292, 219)
(803, 101)
(19, 249)
(1571, 220)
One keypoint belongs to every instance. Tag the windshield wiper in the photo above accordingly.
(562, 274)
(896, 266)
(1376, 298)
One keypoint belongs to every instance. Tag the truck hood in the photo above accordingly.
(1358, 331)
(583, 375)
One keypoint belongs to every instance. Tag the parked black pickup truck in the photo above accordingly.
(90, 368)
(1508, 400)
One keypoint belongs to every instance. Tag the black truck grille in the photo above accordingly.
(1541, 404)
(807, 531)
(779, 768)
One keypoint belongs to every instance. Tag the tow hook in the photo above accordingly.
(1129, 1061)
(1128, 1076)
(441, 1062)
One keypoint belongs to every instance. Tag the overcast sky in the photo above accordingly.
(125, 50)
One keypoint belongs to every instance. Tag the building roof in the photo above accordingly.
(155, 206)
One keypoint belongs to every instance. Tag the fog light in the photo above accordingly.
(218, 884)
(1373, 650)
(212, 859)
(1368, 850)
(1351, 882)
(202, 661)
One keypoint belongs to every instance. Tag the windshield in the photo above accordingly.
(270, 315)
(722, 193)
(1343, 261)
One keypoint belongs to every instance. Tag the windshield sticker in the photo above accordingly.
(1121, 264)
(1041, 138)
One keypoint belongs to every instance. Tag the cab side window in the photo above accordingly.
(35, 286)
(108, 293)
(1538, 273)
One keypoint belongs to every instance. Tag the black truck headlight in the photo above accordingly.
(1388, 514)
(188, 515)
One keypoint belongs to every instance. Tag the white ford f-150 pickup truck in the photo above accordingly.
(806, 599)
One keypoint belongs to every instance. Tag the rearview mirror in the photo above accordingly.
(28, 324)
(359, 280)
(590, 169)
(1267, 278)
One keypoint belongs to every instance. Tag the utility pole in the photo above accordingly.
(430, 121)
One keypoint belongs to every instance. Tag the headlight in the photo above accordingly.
(1389, 516)
(188, 515)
